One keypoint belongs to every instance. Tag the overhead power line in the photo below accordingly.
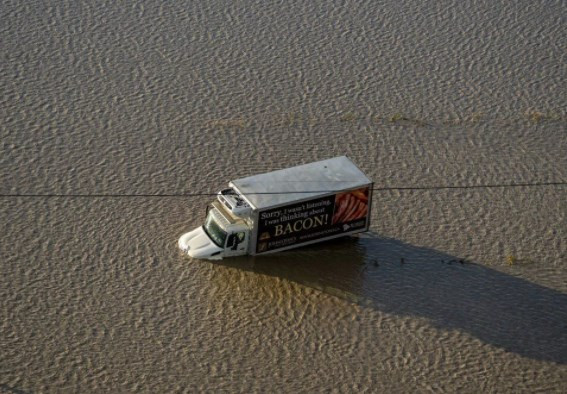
(197, 194)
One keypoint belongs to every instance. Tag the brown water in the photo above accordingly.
(182, 97)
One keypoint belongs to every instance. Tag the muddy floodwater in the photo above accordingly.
(106, 104)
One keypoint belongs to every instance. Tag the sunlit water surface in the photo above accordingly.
(452, 290)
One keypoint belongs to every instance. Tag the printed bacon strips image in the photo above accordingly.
(351, 205)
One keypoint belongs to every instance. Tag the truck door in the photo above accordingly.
(236, 243)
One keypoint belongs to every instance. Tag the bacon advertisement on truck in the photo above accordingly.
(307, 221)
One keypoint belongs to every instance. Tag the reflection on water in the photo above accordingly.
(402, 279)
(334, 267)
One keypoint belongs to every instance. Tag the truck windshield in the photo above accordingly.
(214, 231)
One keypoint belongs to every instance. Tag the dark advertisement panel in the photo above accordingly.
(306, 221)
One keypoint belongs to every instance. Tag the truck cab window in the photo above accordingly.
(231, 241)
(214, 231)
(234, 240)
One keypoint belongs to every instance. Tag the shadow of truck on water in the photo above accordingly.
(397, 278)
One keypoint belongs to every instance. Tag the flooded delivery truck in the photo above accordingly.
(284, 209)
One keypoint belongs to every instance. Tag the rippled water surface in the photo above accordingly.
(451, 290)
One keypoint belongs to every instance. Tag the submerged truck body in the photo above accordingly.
(284, 209)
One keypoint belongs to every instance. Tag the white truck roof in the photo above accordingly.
(300, 183)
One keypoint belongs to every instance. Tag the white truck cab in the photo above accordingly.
(223, 235)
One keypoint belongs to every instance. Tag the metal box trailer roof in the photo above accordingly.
(301, 182)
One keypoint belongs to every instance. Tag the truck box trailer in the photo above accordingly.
(284, 209)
